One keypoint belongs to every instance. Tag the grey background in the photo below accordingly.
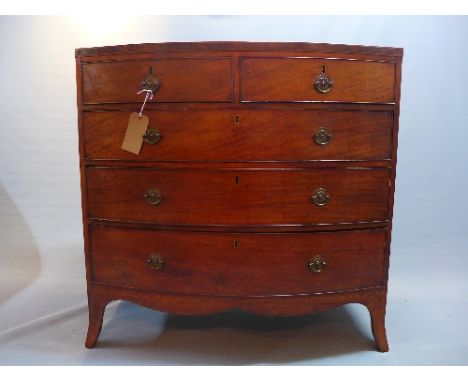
(43, 312)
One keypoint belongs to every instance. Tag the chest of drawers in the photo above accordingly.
(265, 180)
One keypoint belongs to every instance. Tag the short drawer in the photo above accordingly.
(245, 135)
(294, 80)
(240, 197)
(180, 80)
(237, 264)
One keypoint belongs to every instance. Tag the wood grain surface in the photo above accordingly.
(292, 79)
(182, 80)
(237, 264)
(238, 197)
(244, 135)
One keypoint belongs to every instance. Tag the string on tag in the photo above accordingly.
(149, 95)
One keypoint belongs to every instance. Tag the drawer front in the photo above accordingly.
(181, 80)
(293, 79)
(245, 135)
(240, 197)
(237, 264)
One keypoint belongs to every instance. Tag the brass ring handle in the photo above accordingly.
(155, 261)
(150, 82)
(322, 137)
(320, 197)
(317, 264)
(152, 136)
(323, 83)
(153, 196)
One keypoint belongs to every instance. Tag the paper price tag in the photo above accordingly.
(136, 128)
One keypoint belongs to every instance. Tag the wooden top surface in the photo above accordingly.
(237, 46)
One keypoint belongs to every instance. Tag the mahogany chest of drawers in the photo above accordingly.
(264, 182)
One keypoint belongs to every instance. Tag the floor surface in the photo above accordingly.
(45, 322)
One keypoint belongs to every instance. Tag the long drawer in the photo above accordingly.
(243, 197)
(179, 80)
(295, 80)
(245, 135)
(237, 264)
